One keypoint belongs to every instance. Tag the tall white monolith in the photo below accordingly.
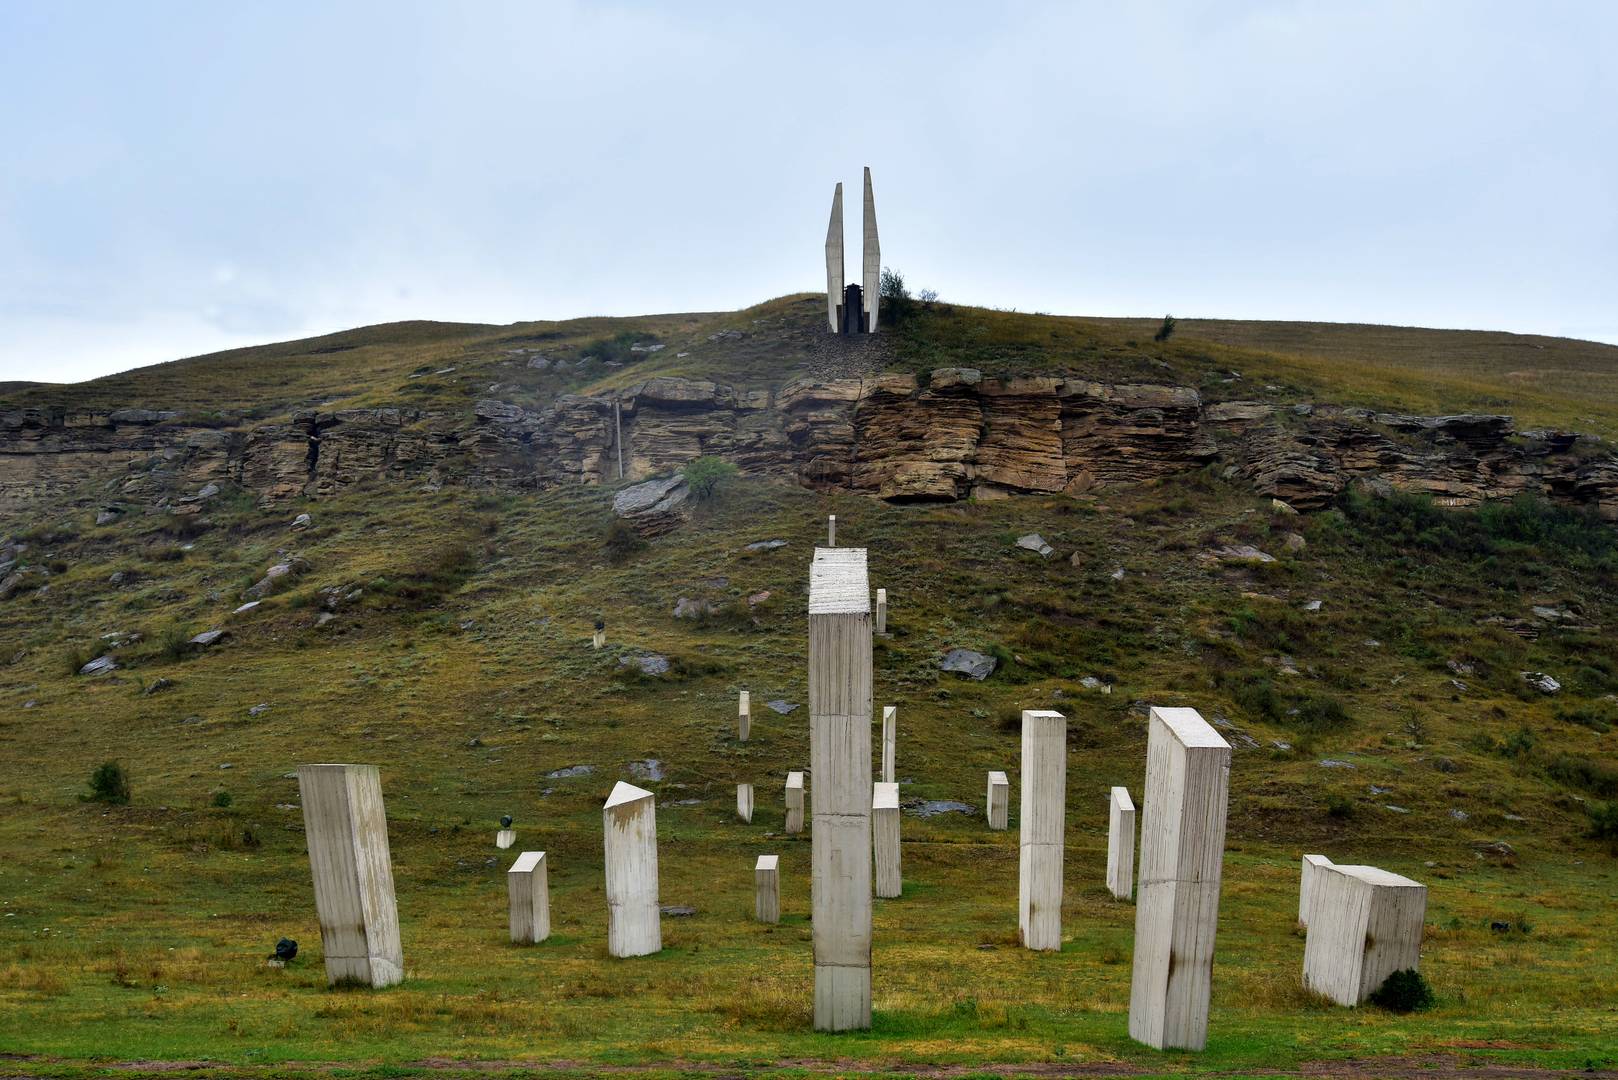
(346, 829)
(840, 759)
(885, 839)
(744, 802)
(794, 797)
(1121, 844)
(767, 889)
(1182, 848)
(629, 828)
(1364, 924)
(529, 891)
(890, 742)
(997, 801)
(1044, 816)
(831, 530)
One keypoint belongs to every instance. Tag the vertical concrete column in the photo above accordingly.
(834, 263)
(831, 530)
(1182, 847)
(529, 890)
(873, 258)
(1364, 924)
(629, 829)
(1044, 818)
(794, 822)
(1121, 844)
(840, 759)
(882, 611)
(346, 828)
(767, 889)
(1306, 885)
(744, 716)
(997, 802)
(890, 742)
(885, 839)
(744, 802)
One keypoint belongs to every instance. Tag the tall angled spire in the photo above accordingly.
(873, 258)
(834, 262)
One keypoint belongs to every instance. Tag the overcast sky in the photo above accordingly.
(177, 178)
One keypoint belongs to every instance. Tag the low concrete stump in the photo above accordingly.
(885, 839)
(528, 888)
(744, 802)
(1364, 924)
(767, 889)
(346, 829)
(1306, 885)
(997, 802)
(505, 838)
(1121, 844)
(629, 830)
(794, 802)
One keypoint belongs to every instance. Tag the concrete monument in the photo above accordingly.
(885, 839)
(1121, 844)
(890, 741)
(794, 822)
(629, 828)
(1306, 885)
(744, 802)
(1364, 924)
(767, 889)
(831, 530)
(997, 801)
(529, 891)
(346, 829)
(852, 309)
(744, 716)
(882, 611)
(1044, 814)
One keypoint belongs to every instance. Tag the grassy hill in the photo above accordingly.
(445, 638)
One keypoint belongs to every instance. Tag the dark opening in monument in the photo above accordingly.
(853, 311)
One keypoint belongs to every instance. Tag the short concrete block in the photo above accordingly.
(794, 802)
(505, 838)
(885, 839)
(1364, 924)
(529, 891)
(346, 829)
(1121, 844)
(744, 802)
(767, 889)
(629, 831)
(998, 801)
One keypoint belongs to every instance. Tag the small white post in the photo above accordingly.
(767, 889)
(1044, 838)
(529, 891)
(744, 716)
(890, 741)
(744, 802)
(831, 530)
(1121, 844)
(1306, 885)
(885, 839)
(882, 611)
(629, 829)
(598, 639)
(794, 802)
(346, 829)
(505, 838)
(998, 801)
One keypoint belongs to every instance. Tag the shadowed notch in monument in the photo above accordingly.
(852, 308)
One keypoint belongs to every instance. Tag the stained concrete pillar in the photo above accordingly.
(598, 639)
(629, 828)
(885, 839)
(840, 759)
(890, 741)
(831, 530)
(1364, 924)
(997, 801)
(1306, 885)
(744, 716)
(346, 829)
(882, 611)
(834, 263)
(794, 822)
(873, 258)
(505, 838)
(1121, 844)
(1044, 816)
(529, 891)
(767, 889)
(744, 802)
(1182, 846)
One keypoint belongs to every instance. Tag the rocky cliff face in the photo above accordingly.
(952, 435)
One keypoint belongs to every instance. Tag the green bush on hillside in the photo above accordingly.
(109, 784)
(1403, 991)
(704, 475)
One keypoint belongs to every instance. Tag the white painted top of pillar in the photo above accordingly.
(882, 596)
(838, 584)
(795, 779)
(888, 712)
(744, 705)
(1121, 799)
(768, 862)
(1189, 727)
(998, 777)
(625, 793)
(1373, 875)
(526, 862)
(884, 796)
(1044, 713)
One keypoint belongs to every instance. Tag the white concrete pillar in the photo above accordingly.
(598, 639)
(744, 802)
(831, 530)
(834, 262)
(505, 838)
(767, 889)
(890, 742)
(1364, 924)
(885, 839)
(882, 611)
(1182, 847)
(1306, 885)
(629, 828)
(840, 759)
(529, 890)
(872, 288)
(1044, 819)
(744, 716)
(346, 829)
(1121, 844)
(997, 802)
(794, 803)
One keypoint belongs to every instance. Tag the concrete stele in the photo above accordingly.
(1182, 849)
(794, 823)
(529, 891)
(1043, 838)
(834, 263)
(346, 828)
(1306, 885)
(840, 759)
(998, 801)
(505, 838)
(629, 830)
(831, 530)
(890, 742)
(882, 611)
(744, 716)
(1364, 924)
(767, 889)
(885, 839)
(1121, 844)
(873, 259)
(744, 802)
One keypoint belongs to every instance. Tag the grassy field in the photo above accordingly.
(463, 670)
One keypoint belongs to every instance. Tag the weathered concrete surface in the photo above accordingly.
(529, 892)
(1121, 844)
(834, 263)
(997, 801)
(1306, 885)
(885, 839)
(1044, 829)
(629, 831)
(1364, 924)
(346, 829)
(794, 802)
(767, 889)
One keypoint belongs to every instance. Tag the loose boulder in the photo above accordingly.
(655, 507)
(974, 665)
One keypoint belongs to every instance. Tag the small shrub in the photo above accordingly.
(109, 784)
(1403, 991)
(622, 541)
(1519, 744)
(1339, 806)
(704, 475)
(175, 644)
(221, 799)
(1165, 331)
